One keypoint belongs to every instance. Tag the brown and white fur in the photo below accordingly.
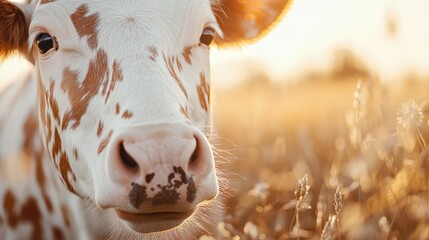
(107, 137)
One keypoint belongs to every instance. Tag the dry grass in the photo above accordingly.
(334, 158)
(326, 158)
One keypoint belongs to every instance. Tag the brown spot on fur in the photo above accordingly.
(13, 29)
(42, 93)
(116, 77)
(153, 53)
(187, 52)
(43, 105)
(179, 64)
(8, 206)
(53, 103)
(105, 85)
(41, 180)
(105, 142)
(170, 66)
(47, 201)
(75, 154)
(66, 215)
(184, 111)
(48, 129)
(117, 109)
(86, 25)
(46, 1)
(203, 90)
(127, 115)
(80, 94)
(201, 96)
(46, 103)
(58, 234)
(100, 128)
(57, 146)
(63, 165)
(65, 169)
(30, 128)
(29, 213)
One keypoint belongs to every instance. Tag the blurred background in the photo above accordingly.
(333, 100)
(389, 36)
(321, 127)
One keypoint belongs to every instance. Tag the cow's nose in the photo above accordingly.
(162, 167)
(137, 157)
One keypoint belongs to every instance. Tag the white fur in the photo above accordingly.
(126, 30)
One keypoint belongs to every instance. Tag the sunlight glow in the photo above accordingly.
(314, 29)
(12, 69)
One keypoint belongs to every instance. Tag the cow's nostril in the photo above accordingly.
(193, 160)
(126, 158)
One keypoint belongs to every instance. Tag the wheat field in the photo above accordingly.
(337, 155)
(341, 154)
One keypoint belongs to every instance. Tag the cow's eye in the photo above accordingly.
(207, 36)
(46, 42)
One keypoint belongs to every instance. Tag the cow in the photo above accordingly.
(107, 137)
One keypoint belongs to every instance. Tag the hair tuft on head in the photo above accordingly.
(13, 29)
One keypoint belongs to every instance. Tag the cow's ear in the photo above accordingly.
(14, 27)
(247, 20)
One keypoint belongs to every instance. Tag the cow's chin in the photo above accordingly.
(153, 222)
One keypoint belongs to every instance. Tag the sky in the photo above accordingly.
(313, 29)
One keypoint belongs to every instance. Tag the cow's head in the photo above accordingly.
(124, 95)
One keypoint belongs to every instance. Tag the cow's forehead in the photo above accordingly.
(154, 41)
(132, 6)
(124, 29)
(146, 19)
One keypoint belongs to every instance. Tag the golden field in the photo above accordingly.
(340, 154)
(335, 155)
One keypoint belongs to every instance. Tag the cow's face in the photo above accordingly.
(124, 95)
